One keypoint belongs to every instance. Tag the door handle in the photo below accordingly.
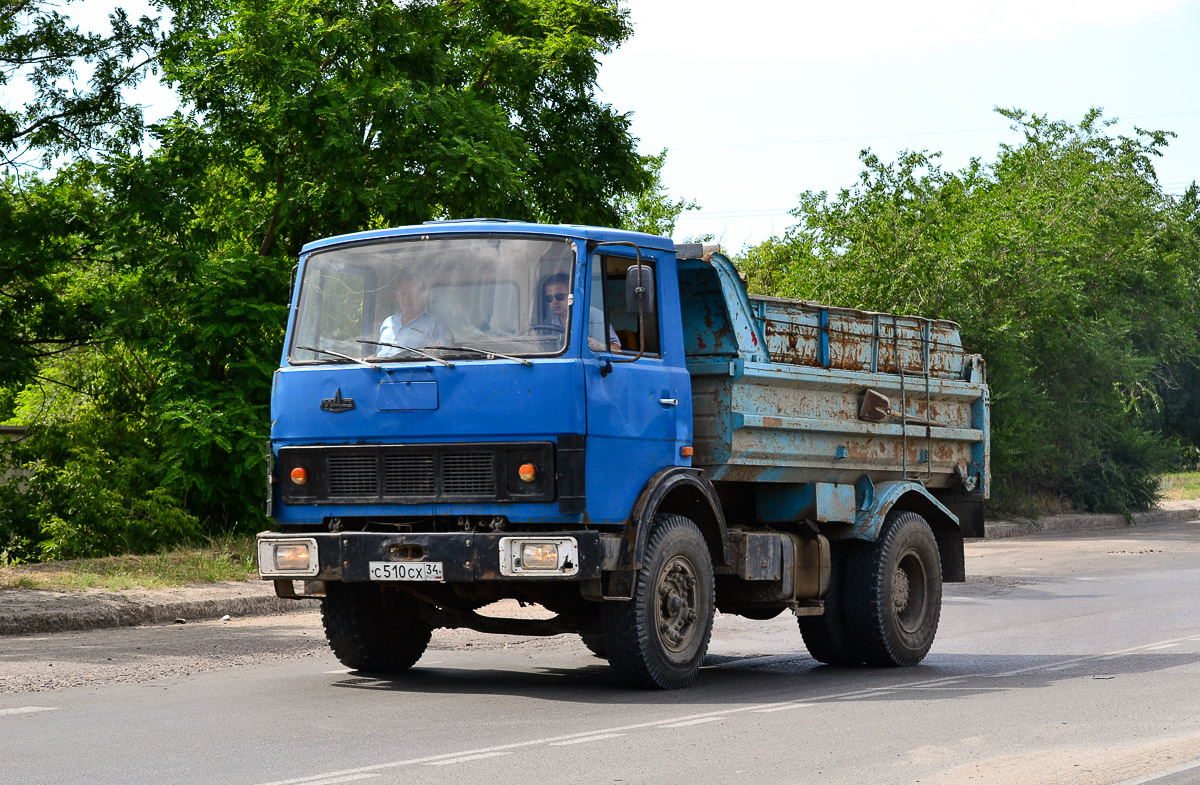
(669, 401)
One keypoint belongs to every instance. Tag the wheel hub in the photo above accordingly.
(676, 608)
(909, 593)
(900, 589)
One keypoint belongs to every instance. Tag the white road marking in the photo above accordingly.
(343, 670)
(347, 778)
(1108, 655)
(586, 739)
(466, 758)
(27, 710)
(686, 723)
(785, 707)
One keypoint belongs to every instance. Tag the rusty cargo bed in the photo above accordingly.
(778, 389)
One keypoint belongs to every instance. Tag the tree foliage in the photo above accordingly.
(652, 210)
(148, 284)
(1066, 266)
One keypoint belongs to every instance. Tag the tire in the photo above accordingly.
(894, 592)
(658, 638)
(594, 643)
(370, 630)
(826, 636)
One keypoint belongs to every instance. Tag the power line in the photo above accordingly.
(908, 135)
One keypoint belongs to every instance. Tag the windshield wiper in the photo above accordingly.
(486, 353)
(338, 354)
(409, 349)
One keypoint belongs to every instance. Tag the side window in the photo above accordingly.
(622, 325)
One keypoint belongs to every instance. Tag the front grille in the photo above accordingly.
(408, 475)
(352, 475)
(418, 473)
(469, 474)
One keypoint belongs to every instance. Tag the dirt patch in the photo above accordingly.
(1077, 766)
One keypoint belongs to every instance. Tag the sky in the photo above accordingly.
(758, 101)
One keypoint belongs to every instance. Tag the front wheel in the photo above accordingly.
(658, 638)
(894, 592)
(372, 630)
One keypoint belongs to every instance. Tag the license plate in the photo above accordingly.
(405, 570)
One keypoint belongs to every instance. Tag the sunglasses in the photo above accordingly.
(550, 298)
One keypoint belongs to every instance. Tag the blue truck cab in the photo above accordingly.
(605, 424)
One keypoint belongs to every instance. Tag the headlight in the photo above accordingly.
(287, 558)
(539, 556)
(544, 556)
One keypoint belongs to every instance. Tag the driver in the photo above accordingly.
(555, 293)
(411, 324)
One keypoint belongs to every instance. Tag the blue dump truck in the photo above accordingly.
(604, 423)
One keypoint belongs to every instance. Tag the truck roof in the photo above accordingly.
(499, 226)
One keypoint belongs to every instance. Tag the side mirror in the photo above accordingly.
(639, 290)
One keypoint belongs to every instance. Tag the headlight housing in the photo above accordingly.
(291, 557)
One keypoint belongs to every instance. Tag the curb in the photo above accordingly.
(44, 611)
(1062, 524)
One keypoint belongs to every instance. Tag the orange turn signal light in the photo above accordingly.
(299, 476)
(527, 472)
(687, 452)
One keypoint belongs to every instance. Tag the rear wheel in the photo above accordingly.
(826, 636)
(894, 592)
(659, 637)
(372, 630)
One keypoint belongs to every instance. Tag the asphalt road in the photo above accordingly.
(1070, 660)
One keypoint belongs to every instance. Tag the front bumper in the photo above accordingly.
(465, 557)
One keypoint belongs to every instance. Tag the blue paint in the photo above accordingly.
(407, 395)
(867, 523)
(824, 359)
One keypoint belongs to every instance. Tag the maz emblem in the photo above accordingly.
(337, 403)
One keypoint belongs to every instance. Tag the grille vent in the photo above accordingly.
(353, 475)
(408, 475)
(468, 474)
(419, 474)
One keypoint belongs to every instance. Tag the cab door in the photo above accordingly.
(634, 404)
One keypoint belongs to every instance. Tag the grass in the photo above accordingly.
(229, 559)
(1185, 485)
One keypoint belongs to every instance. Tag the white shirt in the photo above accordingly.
(428, 329)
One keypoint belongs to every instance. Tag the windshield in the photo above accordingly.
(410, 299)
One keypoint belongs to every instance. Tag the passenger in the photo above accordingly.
(412, 325)
(555, 292)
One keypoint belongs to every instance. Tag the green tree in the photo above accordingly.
(297, 120)
(1067, 267)
(652, 210)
